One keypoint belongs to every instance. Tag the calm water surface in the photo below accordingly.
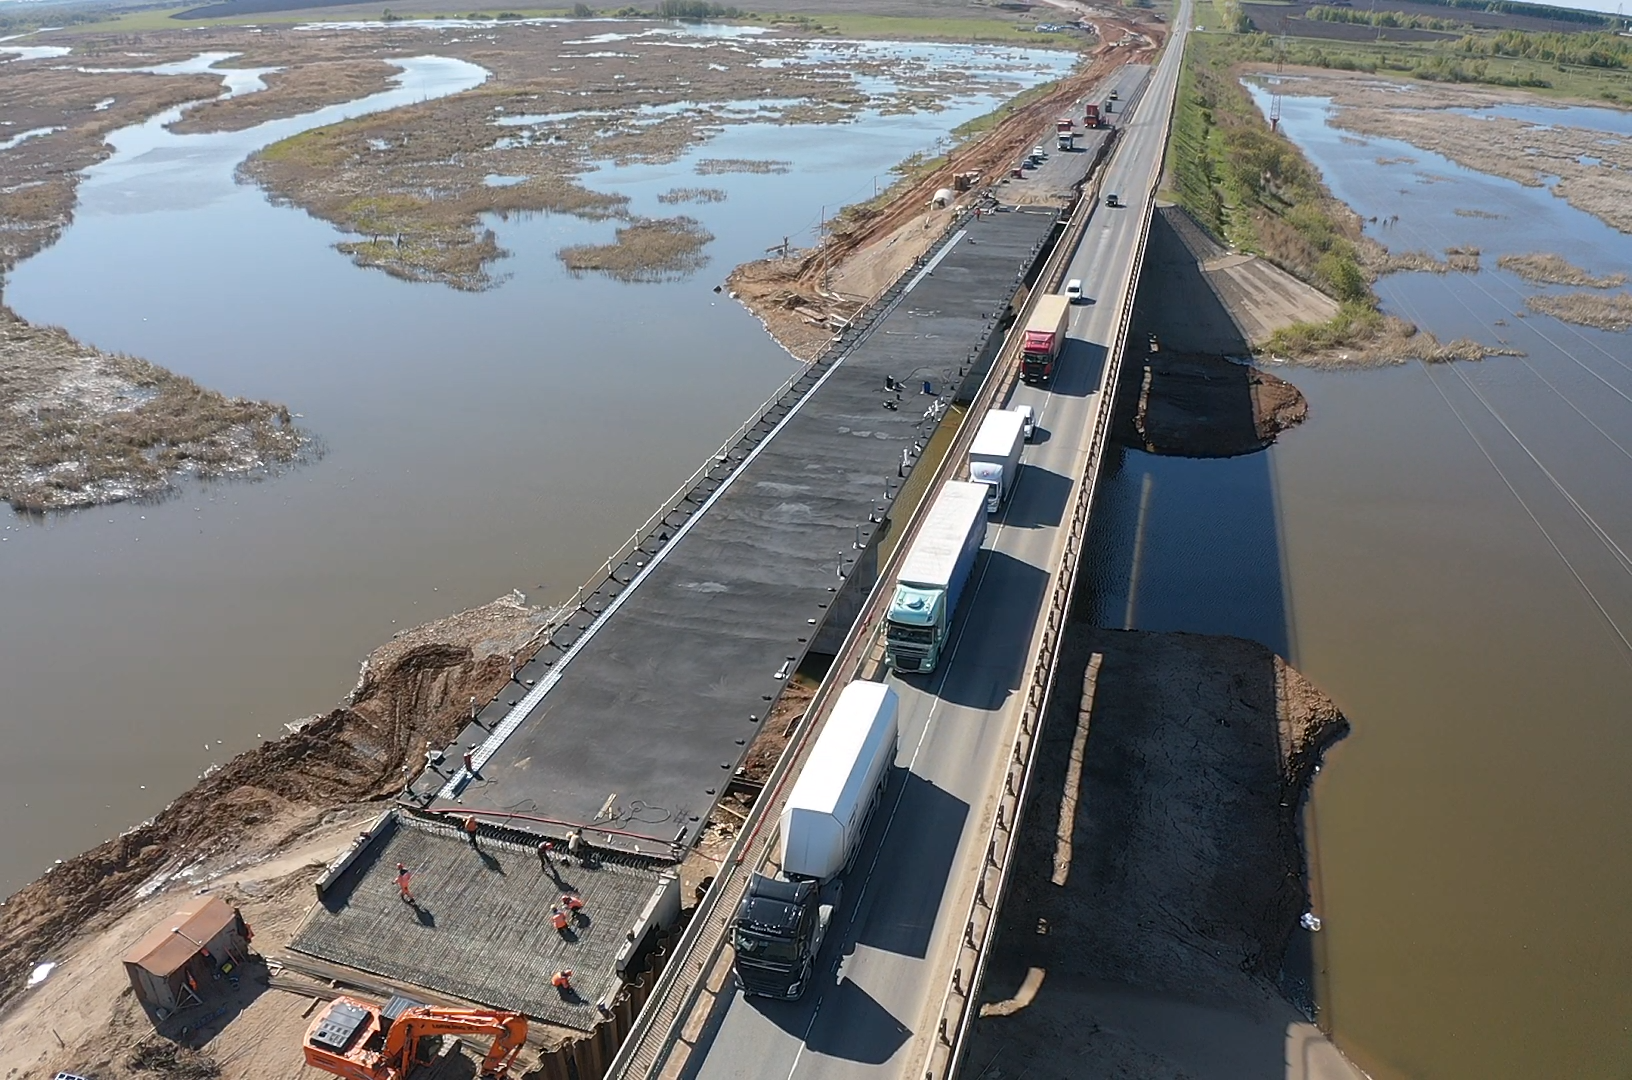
(472, 443)
(1444, 551)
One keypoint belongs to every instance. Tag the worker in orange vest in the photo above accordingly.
(403, 877)
(573, 903)
(471, 826)
(558, 919)
(562, 980)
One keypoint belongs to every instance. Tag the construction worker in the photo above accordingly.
(575, 844)
(558, 919)
(572, 902)
(562, 980)
(544, 849)
(403, 877)
(470, 760)
(471, 825)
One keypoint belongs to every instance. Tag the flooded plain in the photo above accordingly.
(1444, 550)
(468, 443)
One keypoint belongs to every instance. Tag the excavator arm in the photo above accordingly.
(509, 1031)
(359, 1041)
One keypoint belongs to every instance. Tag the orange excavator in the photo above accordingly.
(365, 1042)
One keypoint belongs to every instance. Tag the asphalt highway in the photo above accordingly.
(872, 1006)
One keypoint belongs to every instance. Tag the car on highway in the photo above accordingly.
(1112, 200)
(1028, 421)
(1073, 290)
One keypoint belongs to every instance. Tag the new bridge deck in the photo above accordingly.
(639, 724)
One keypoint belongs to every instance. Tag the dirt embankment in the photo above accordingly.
(1161, 876)
(1208, 406)
(413, 689)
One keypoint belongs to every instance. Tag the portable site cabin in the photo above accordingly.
(184, 952)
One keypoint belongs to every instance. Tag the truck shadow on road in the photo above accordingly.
(924, 823)
(1080, 366)
(1039, 499)
(999, 617)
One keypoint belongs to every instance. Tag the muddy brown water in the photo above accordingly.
(1463, 592)
(470, 443)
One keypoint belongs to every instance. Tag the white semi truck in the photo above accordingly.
(994, 456)
(779, 927)
(932, 576)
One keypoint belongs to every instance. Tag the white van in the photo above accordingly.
(1073, 290)
(1028, 421)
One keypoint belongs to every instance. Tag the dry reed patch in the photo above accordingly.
(79, 426)
(659, 249)
(692, 195)
(721, 166)
(1548, 268)
(1613, 312)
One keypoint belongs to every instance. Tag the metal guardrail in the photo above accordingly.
(960, 1005)
(673, 1001)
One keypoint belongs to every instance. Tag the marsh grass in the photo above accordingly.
(1547, 268)
(660, 249)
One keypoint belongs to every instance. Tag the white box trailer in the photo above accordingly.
(994, 456)
(827, 810)
(932, 576)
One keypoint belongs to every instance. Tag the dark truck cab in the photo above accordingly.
(778, 933)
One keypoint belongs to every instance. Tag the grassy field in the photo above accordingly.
(1431, 62)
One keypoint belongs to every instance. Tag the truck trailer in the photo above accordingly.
(780, 925)
(1044, 337)
(994, 456)
(932, 577)
(1090, 116)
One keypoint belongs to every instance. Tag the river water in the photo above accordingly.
(472, 443)
(1444, 551)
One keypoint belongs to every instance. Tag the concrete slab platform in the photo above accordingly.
(481, 930)
(638, 725)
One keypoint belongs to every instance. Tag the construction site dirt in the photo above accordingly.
(1149, 929)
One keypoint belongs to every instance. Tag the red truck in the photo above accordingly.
(1090, 116)
(1044, 334)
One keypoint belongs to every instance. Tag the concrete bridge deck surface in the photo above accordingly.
(481, 927)
(650, 716)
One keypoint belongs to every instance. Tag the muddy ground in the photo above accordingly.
(251, 817)
(1594, 168)
(1208, 406)
(1160, 874)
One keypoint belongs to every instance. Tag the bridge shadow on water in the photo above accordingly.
(1152, 892)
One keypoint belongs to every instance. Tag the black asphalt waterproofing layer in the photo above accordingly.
(651, 716)
(481, 927)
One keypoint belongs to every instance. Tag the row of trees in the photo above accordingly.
(1394, 20)
(1590, 49)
